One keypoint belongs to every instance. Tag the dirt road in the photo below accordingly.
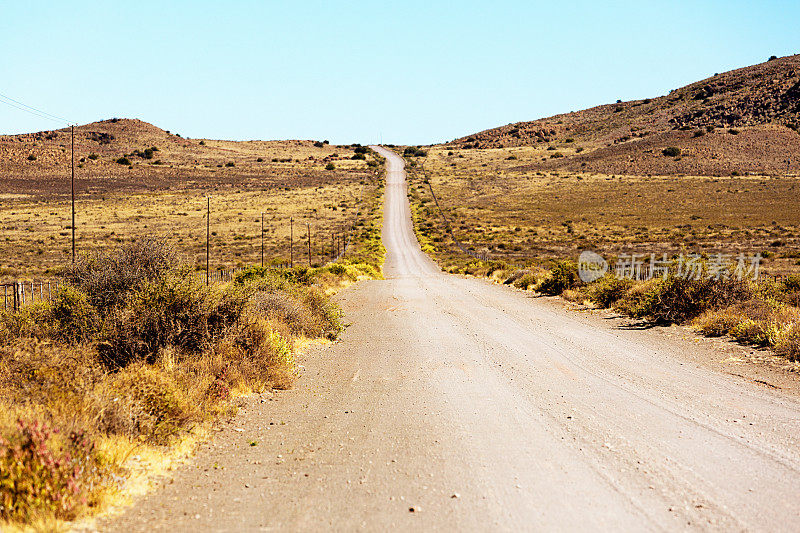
(455, 404)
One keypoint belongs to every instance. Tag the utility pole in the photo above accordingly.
(262, 239)
(291, 242)
(308, 232)
(72, 128)
(208, 240)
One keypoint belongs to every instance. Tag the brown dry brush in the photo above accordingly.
(135, 345)
(760, 312)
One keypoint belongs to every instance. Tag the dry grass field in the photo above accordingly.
(164, 193)
(498, 206)
(128, 364)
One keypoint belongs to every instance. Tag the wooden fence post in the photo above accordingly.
(308, 232)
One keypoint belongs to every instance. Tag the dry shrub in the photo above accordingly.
(793, 298)
(38, 373)
(609, 289)
(574, 295)
(42, 471)
(563, 275)
(73, 317)
(637, 301)
(312, 314)
(789, 344)
(791, 283)
(144, 400)
(680, 299)
(718, 323)
(171, 311)
(30, 321)
(107, 277)
(517, 274)
(257, 356)
(526, 281)
(138, 348)
(327, 315)
(755, 321)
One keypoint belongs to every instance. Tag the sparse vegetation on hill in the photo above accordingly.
(761, 102)
(159, 187)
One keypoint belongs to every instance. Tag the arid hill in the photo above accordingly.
(132, 154)
(742, 121)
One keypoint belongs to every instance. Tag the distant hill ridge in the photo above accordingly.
(703, 120)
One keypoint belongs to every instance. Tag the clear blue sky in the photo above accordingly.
(413, 72)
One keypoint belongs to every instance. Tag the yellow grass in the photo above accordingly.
(516, 214)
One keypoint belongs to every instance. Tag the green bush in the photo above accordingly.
(124, 161)
(31, 320)
(608, 290)
(74, 318)
(526, 281)
(671, 151)
(563, 275)
(789, 345)
(337, 269)
(330, 166)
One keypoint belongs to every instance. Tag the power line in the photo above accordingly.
(32, 110)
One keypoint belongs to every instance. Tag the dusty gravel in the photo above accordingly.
(454, 404)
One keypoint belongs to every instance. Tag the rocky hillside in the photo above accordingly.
(742, 121)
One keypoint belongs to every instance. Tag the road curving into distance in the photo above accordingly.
(454, 404)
